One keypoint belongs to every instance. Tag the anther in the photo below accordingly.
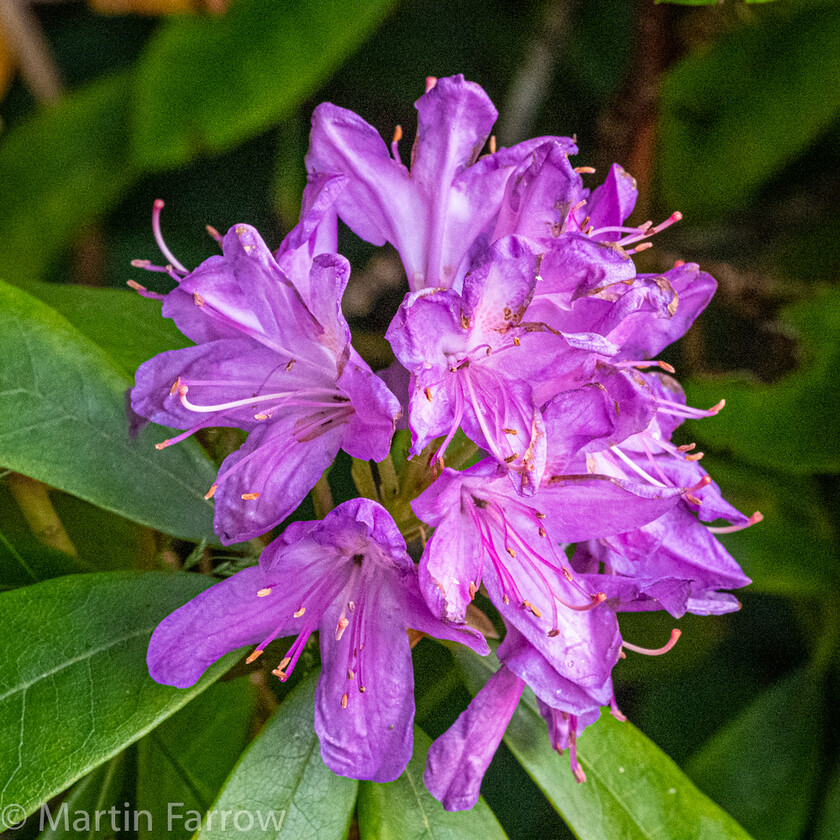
(473, 590)
(249, 497)
(510, 431)
(553, 633)
(343, 623)
(254, 656)
(211, 492)
(214, 233)
(641, 247)
(516, 341)
(428, 393)
(585, 170)
(666, 367)
(532, 609)
(162, 445)
(687, 447)
(511, 458)
(679, 263)
(675, 635)
(541, 532)
(431, 81)
(264, 591)
(510, 551)
(695, 457)
(300, 612)
(198, 300)
(350, 673)
(492, 144)
(398, 133)
(344, 700)
(539, 515)
(362, 689)
(289, 365)
(139, 264)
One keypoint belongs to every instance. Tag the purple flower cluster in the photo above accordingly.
(526, 327)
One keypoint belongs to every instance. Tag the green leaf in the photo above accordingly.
(763, 765)
(633, 790)
(828, 822)
(74, 689)
(733, 116)
(76, 817)
(789, 425)
(188, 757)
(405, 810)
(129, 328)
(60, 170)
(62, 415)
(281, 788)
(207, 83)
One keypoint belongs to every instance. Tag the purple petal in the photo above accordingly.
(611, 203)
(539, 195)
(225, 617)
(458, 760)
(281, 468)
(367, 735)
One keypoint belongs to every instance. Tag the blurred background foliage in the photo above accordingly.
(729, 113)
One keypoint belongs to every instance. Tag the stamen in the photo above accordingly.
(647, 363)
(143, 291)
(431, 81)
(214, 233)
(263, 592)
(211, 492)
(254, 656)
(615, 711)
(731, 529)
(344, 700)
(343, 623)
(675, 635)
(395, 148)
(156, 208)
(492, 144)
(299, 613)
(585, 170)
(183, 390)
(249, 497)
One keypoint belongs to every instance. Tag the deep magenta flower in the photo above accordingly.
(272, 357)
(349, 577)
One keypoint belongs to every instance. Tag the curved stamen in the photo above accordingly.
(636, 468)
(731, 529)
(184, 389)
(156, 208)
(675, 635)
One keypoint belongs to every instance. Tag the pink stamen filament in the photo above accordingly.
(156, 208)
(731, 529)
(636, 468)
(459, 413)
(675, 635)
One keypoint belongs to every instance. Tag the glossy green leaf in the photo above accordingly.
(733, 116)
(60, 170)
(405, 810)
(763, 765)
(789, 425)
(129, 328)
(188, 757)
(281, 788)
(633, 790)
(74, 689)
(76, 817)
(63, 421)
(208, 83)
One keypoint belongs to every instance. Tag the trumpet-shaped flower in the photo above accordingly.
(349, 577)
